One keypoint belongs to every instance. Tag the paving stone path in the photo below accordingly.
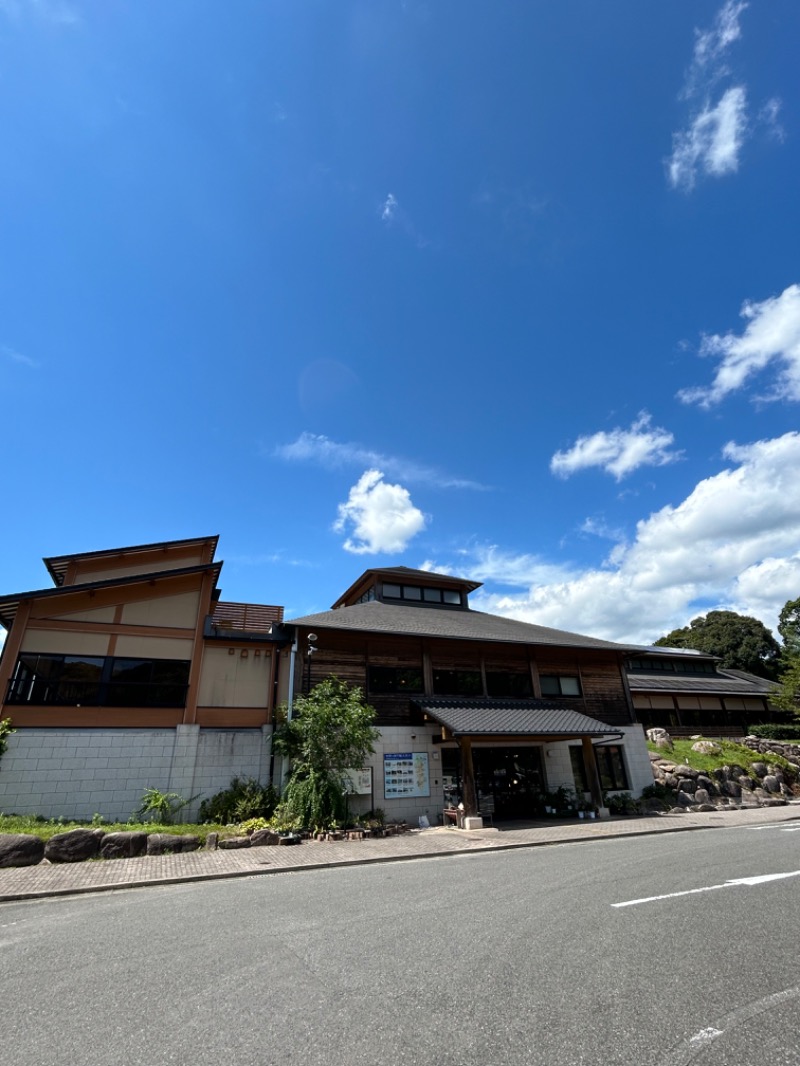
(35, 882)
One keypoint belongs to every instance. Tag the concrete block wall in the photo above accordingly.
(77, 773)
(395, 740)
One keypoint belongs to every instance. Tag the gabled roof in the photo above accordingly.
(57, 565)
(405, 620)
(404, 574)
(9, 605)
(533, 718)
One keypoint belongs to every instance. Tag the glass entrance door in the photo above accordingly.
(509, 781)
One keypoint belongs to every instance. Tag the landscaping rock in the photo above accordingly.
(264, 838)
(771, 783)
(290, 838)
(706, 807)
(20, 849)
(702, 797)
(760, 769)
(231, 843)
(706, 747)
(170, 843)
(684, 799)
(212, 841)
(686, 771)
(123, 845)
(76, 845)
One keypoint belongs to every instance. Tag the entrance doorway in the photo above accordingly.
(509, 781)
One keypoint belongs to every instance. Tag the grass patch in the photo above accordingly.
(731, 754)
(44, 828)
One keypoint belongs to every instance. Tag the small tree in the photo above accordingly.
(331, 732)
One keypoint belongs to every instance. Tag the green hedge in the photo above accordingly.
(776, 731)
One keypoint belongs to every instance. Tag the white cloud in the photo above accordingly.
(379, 516)
(713, 141)
(732, 542)
(389, 208)
(317, 448)
(711, 45)
(772, 335)
(17, 357)
(618, 452)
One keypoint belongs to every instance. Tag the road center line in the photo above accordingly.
(759, 879)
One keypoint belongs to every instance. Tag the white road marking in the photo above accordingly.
(688, 1050)
(705, 1035)
(736, 882)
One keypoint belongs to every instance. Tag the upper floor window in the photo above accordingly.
(390, 680)
(457, 683)
(421, 594)
(501, 683)
(560, 685)
(655, 665)
(70, 680)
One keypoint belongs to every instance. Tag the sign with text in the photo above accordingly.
(406, 776)
(358, 782)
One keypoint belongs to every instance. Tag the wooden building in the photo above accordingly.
(489, 710)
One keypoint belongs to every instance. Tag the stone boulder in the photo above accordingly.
(684, 799)
(170, 843)
(123, 845)
(686, 771)
(76, 845)
(263, 838)
(771, 783)
(702, 797)
(760, 769)
(20, 849)
(230, 843)
(706, 747)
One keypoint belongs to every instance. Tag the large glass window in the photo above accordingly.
(501, 683)
(71, 680)
(388, 680)
(457, 683)
(560, 685)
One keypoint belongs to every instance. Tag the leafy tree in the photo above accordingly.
(741, 642)
(789, 628)
(331, 732)
(787, 697)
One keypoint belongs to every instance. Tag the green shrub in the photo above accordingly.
(244, 798)
(776, 731)
(161, 806)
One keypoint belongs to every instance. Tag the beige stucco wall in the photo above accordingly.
(98, 614)
(57, 642)
(152, 566)
(153, 648)
(233, 681)
(175, 611)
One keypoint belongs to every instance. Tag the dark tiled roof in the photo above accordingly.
(456, 624)
(485, 717)
(732, 682)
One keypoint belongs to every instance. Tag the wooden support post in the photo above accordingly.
(592, 776)
(468, 794)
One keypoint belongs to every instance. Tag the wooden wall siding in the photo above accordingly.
(393, 711)
(97, 717)
(609, 708)
(350, 668)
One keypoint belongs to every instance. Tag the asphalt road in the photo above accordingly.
(522, 957)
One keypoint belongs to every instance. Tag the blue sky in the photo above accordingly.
(508, 289)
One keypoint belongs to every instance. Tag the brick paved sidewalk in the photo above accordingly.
(35, 882)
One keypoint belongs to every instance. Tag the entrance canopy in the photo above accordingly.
(465, 716)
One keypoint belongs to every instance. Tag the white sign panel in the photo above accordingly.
(406, 776)
(358, 782)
